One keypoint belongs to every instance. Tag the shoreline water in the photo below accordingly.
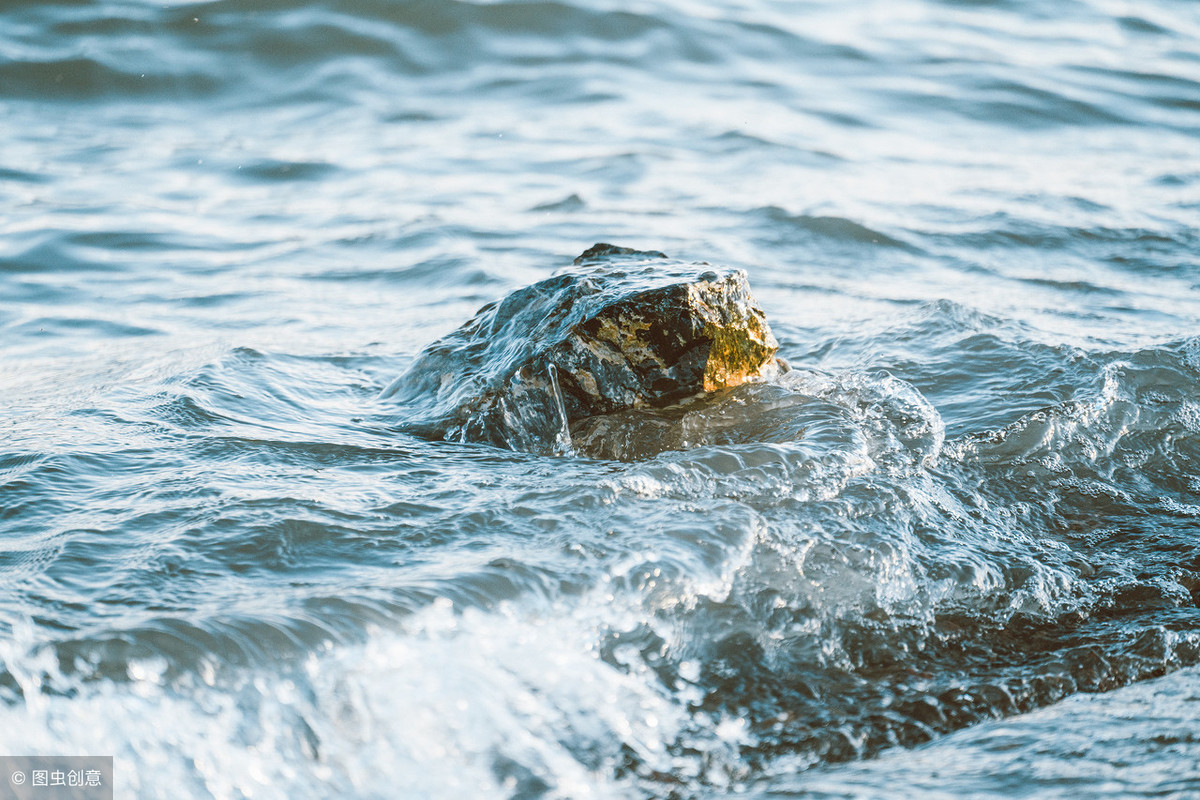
(228, 227)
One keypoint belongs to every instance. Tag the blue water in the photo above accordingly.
(964, 563)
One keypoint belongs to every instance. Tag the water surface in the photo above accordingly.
(971, 530)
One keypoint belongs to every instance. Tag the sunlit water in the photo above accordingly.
(966, 523)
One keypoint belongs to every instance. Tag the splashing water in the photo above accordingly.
(961, 531)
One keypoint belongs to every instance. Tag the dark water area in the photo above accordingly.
(953, 553)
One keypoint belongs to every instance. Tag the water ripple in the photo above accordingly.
(228, 225)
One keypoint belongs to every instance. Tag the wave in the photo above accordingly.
(233, 222)
(818, 576)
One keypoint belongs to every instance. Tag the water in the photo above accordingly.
(965, 524)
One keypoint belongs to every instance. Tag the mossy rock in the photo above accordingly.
(622, 329)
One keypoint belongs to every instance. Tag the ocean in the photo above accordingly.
(962, 561)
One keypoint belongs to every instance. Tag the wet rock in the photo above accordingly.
(622, 329)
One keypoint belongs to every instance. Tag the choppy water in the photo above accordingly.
(969, 525)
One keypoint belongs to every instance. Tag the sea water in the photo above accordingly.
(959, 558)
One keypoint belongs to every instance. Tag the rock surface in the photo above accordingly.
(622, 329)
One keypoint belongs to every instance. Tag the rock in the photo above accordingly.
(624, 329)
